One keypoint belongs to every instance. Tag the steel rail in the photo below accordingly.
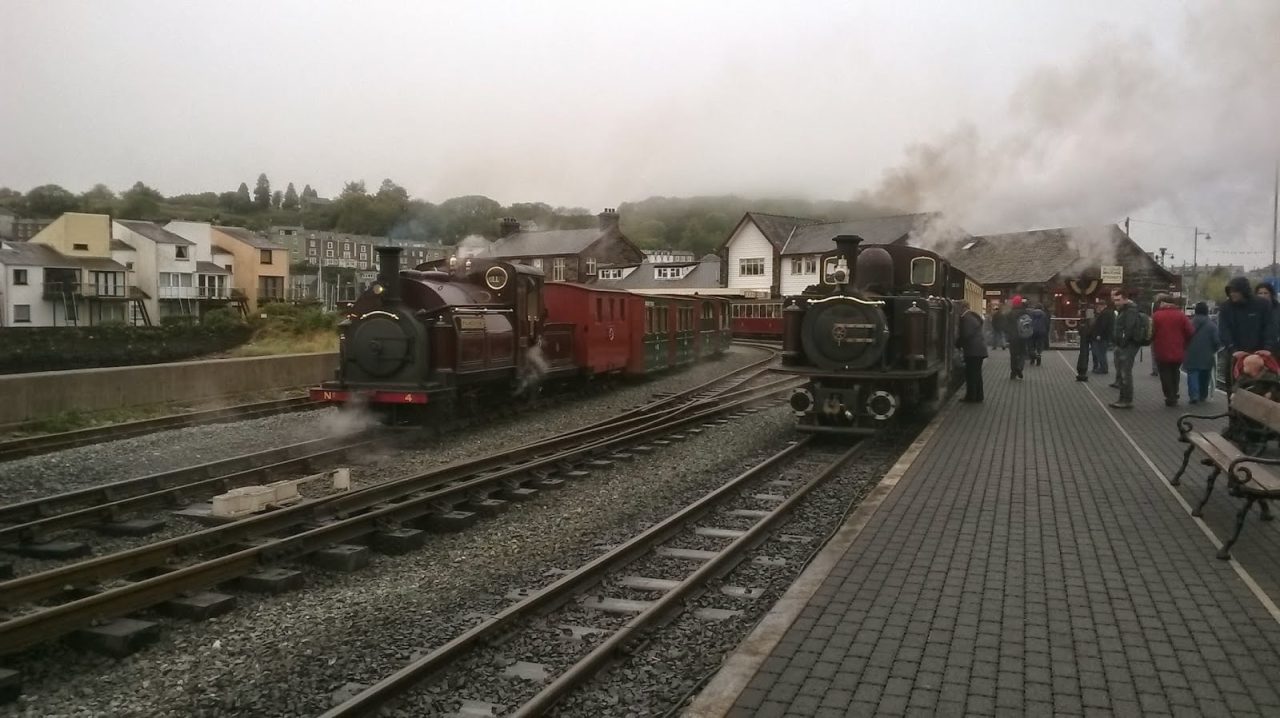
(45, 443)
(670, 602)
(325, 523)
(405, 679)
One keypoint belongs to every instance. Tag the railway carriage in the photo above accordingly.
(757, 318)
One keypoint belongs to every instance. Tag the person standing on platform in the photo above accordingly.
(1100, 342)
(971, 343)
(1125, 336)
(1170, 332)
(1267, 293)
(997, 327)
(1244, 321)
(1201, 351)
(1020, 333)
(1039, 333)
(1087, 323)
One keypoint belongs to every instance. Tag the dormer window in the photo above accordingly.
(80, 247)
(180, 252)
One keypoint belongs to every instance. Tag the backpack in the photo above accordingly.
(1142, 330)
(1025, 329)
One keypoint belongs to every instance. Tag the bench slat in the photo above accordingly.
(1257, 407)
(1222, 452)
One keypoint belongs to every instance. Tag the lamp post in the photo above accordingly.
(1195, 267)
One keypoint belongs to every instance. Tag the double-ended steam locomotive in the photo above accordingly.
(875, 337)
(478, 336)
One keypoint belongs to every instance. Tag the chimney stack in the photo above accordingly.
(389, 272)
(510, 225)
(608, 218)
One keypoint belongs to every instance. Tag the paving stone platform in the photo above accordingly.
(1032, 562)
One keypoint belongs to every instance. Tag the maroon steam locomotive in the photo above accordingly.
(464, 336)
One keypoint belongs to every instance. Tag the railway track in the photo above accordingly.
(46, 443)
(540, 611)
(40, 519)
(127, 581)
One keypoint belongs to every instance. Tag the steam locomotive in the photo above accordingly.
(475, 336)
(875, 337)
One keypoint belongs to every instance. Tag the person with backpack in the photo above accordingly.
(1020, 335)
(1039, 333)
(1170, 332)
(1201, 351)
(1132, 331)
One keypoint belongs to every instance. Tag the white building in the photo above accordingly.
(768, 255)
(212, 281)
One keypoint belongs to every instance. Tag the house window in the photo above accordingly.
(22, 313)
(228, 268)
(666, 273)
(328, 253)
(797, 265)
(20, 276)
(266, 256)
(591, 267)
(610, 273)
(328, 244)
(557, 270)
(751, 267)
(181, 251)
(80, 247)
(810, 265)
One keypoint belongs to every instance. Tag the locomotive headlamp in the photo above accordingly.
(467, 266)
(378, 288)
(453, 262)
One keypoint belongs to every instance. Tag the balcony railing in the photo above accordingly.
(60, 290)
(179, 292)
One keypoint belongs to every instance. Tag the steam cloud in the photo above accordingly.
(1189, 132)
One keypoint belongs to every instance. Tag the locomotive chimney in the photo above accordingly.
(509, 226)
(389, 272)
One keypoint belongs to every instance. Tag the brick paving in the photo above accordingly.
(1030, 563)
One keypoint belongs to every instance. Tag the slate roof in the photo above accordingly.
(249, 237)
(1033, 256)
(19, 254)
(99, 264)
(816, 238)
(706, 273)
(777, 228)
(547, 242)
(120, 244)
(210, 268)
(155, 232)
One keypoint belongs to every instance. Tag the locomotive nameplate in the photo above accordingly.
(841, 333)
(470, 322)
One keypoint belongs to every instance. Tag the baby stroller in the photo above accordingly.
(1257, 372)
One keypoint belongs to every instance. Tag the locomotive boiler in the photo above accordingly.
(874, 337)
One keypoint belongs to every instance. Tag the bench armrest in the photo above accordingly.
(1242, 474)
(1185, 425)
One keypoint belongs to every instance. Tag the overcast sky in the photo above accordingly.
(1022, 114)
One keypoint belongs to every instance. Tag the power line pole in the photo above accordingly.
(1275, 214)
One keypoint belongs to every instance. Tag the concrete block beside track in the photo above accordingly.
(28, 397)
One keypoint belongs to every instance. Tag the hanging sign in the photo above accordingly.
(1112, 274)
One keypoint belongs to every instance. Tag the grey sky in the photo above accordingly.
(591, 104)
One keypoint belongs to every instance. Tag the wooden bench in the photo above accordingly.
(1251, 418)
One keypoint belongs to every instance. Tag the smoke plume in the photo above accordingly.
(1187, 127)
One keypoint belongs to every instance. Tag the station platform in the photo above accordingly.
(1027, 557)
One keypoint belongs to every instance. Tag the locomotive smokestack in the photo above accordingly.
(389, 272)
(847, 244)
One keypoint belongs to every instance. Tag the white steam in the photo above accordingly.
(473, 246)
(1191, 131)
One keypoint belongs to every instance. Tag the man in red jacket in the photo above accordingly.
(1170, 332)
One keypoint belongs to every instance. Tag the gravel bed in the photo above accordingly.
(287, 655)
(671, 665)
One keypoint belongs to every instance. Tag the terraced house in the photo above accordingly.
(71, 273)
(569, 255)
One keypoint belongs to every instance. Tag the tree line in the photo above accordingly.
(697, 224)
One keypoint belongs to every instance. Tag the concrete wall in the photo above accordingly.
(33, 396)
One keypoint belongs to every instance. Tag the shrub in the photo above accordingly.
(59, 348)
(222, 319)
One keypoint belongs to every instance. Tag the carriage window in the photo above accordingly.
(622, 309)
(923, 271)
(599, 309)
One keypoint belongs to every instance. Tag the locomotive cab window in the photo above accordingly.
(829, 270)
(924, 271)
